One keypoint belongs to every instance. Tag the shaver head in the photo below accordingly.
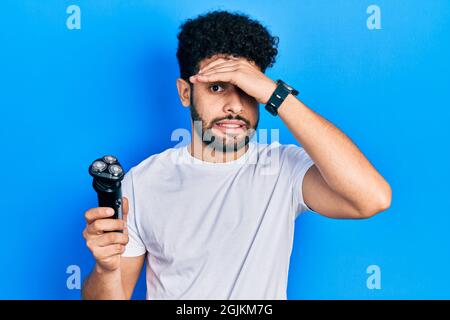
(106, 171)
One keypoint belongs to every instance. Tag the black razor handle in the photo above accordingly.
(108, 174)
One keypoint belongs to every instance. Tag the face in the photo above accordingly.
(224, 115)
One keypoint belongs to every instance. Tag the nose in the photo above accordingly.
(234, 102)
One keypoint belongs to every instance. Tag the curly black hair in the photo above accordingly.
(223, 32)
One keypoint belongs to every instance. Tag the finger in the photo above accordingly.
(110, 238)
(98, 213)
(108, 251)
(221, 69)
(102, 225)
(125, 207)
(216, 76)
(219, 63)
(125, 214)
(219, 60)
(238, 61)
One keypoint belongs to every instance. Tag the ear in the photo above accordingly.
(184, 92)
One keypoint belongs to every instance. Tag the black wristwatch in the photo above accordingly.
(278, 96)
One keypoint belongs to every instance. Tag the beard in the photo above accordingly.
(228, 142)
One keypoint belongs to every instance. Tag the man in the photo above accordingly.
(215, 219)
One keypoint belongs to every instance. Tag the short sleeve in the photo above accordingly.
(135, 246)
(297, 162)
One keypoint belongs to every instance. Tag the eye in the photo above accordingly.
(215, 87)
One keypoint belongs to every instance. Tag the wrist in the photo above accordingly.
(272, 86)
(289, 100)
(105, 272)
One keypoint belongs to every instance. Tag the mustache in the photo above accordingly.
(230, 117)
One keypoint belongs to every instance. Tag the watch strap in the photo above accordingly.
(281, 92)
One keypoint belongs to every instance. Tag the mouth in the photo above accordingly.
(230, 126)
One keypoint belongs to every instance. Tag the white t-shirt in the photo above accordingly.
(216, 230)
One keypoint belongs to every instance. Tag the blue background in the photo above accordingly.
(69, 96)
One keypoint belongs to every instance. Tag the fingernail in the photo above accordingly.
(110, 211)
